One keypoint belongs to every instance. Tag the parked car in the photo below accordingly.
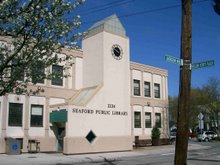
(206, 136)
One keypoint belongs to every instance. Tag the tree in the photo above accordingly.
(32, 34)
(216, 6)
(212, 90)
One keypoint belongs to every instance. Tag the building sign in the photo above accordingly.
(99, 112)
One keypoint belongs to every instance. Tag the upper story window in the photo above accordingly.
(137, 119)
(58, 75)
(39, 75)
(147, 89)
(37, 115)
(158, 120)
(137, 88)
(17, 71)
(156, 90)
(15, 114)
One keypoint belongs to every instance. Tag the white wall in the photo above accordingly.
(147, 131)
(16, 132)
(100, 68)
(93, 60)
(78, 73)
(37, 131)
(138, 131)
(53, 101)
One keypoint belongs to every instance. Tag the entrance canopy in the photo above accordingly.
(58, 116)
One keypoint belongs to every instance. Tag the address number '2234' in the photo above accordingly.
(111, 105)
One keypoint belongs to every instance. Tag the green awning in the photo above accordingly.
(58, 116)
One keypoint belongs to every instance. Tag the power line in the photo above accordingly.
(119, 3)
(103, 5)
(146, 11)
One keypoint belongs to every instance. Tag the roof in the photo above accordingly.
(110, 24)
(84, 95)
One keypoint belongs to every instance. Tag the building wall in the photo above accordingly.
(149, 104)
(52, 95)
(100, 68)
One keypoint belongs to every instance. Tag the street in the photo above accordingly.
(201, 153)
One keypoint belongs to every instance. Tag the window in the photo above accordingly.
(137, 119)
(137, 87)
(158, 120)
(36, 115)
(157, 90)
(147, 89)
(38, 75)
(15, 114)
(147, 120)
(57, 75)
(17, 70)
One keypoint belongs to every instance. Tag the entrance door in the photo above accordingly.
(59, 130)
(60, 136)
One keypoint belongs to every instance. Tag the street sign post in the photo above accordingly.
(203, 64)
(172, 59)
(197, 65)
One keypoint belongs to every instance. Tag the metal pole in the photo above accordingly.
(185, 85)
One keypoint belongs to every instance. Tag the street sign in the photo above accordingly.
(172, 59)
(203, 64)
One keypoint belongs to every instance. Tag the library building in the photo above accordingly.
(108, 103)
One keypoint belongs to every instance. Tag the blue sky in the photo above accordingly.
(156, 32)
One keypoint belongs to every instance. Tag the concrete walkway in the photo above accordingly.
(60, 159)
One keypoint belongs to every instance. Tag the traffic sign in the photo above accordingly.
(172, 59)
(203, 64)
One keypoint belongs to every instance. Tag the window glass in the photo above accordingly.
(147, 120)
(137, 119)
(58, 75)
(15, 114)
(38, 75)
(137, 87)
(36, 115)
(157, 90)
(158, 120)
(17, 71)
(147, 89)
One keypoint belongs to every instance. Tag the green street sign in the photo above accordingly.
(203, 64)
(172, 59)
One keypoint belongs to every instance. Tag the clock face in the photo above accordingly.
(117, 52)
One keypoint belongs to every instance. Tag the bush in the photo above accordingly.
(155, 136)
(217, 138)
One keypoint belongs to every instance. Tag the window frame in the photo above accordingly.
(147, 91)
(149, 123)
(57, 81)
(158, 123)
(136, 90)
(157, 91)
(32, 124)
(15, 119)
(40, 80)
(137, 123)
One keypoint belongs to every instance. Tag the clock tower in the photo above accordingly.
(102, 108)
(106, 62)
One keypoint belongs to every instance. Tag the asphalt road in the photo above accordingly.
(209, 155)
(200, 153)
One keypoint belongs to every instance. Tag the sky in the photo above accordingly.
(154, 30)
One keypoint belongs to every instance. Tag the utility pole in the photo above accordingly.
(185, 85)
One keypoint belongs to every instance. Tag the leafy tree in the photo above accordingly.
(216, 6)
(32, 34)
(212, 108)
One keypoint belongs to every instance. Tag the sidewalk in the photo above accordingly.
(60, 159)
